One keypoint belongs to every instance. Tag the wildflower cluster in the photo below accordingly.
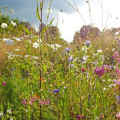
(101, 70)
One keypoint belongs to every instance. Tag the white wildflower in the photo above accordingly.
(39, 41)
(8, 41)
(84, 58)
(35, 57)
(1, 114)
(104, 88)
(103, 80)
(57, 45)
(13, 23)
(113, 49)
(99, 51)
(9, 111)
(116, 33)
(35, 45)
(12, 11)
(17, 39)
(4, 25)
(27, 56)
(11, 56)
(16, 49)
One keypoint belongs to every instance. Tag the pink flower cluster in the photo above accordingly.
(101, 70)
(116, 57)
(45, 102)
(31, 100)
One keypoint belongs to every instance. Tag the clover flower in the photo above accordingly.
(4, 25)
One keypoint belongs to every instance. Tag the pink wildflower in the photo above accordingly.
(4, 83)
(116, 82)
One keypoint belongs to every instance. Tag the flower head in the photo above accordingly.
(56, 90)
(70, 58)
(67, 49)
(12, 11)
(87, 42)
(116, 82)
(13, 23)
(4, 25)
(83, 70)
(4, 83)
(35, 45)
(118, 115)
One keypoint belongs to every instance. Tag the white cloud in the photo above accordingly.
(70, 23)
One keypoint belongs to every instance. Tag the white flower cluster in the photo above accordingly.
(4, 25)
(13, 23)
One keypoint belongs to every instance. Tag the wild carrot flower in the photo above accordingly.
(4, 83)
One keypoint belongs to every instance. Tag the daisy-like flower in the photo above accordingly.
(13, 23)
(12, 11)
(35, 45)
(4, 25)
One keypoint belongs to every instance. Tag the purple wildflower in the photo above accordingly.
(67, 49)
(56, 90)
(71, 65)
(87, 42)
(70, 58)
(118, 98)
(80, 117)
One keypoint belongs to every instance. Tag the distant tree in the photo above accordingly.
(88, 31)
(76, 38)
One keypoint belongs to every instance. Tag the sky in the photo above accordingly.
(66, 18)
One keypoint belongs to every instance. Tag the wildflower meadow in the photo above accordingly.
(43, 77)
